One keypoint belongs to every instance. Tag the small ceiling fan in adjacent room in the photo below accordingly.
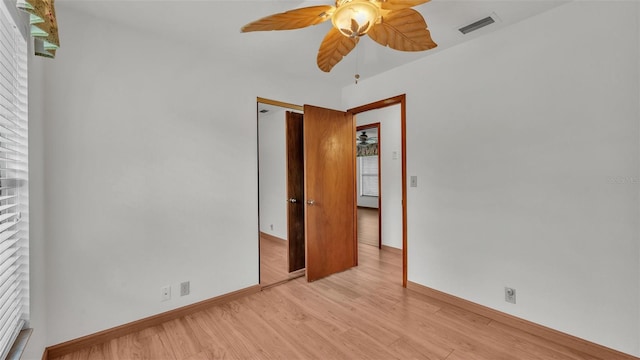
(363, 139)
(390, 23)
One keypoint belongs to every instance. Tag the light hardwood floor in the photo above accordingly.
(368, 232)
(273, 252)
(273, 260)
(362, 313)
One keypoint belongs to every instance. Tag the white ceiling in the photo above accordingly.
(213, 27)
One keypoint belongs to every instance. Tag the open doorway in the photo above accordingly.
(368, 182)
(391, 115)
(274, 202)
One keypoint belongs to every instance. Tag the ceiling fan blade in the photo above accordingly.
(334, 47)
(403, 30)
(292, 19)
(400, 4)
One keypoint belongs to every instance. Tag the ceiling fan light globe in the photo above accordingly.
(355, 17)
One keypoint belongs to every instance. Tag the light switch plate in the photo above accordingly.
(414, 181)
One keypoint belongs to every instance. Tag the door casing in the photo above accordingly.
(402, 100)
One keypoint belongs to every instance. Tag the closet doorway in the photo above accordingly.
(280, 205)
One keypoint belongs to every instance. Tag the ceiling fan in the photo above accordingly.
(364, 139)
(390, 23)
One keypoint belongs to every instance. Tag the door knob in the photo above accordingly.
(311, 202)
(292, 200)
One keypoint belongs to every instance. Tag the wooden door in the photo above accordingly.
(295, 190)
(330, 191)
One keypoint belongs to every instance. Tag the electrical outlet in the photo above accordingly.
(184, 288)
(510, 295)
(166, 293)
(271, 226)
(414, 181)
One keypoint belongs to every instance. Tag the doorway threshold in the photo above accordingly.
(292, 276)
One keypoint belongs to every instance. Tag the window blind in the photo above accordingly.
(368, 175)
(14, 296)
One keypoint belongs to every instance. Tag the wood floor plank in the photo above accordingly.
(155, 347)
(234, 333)
(97, 353)
(406, 348)
(213, 340)
(448, 335)
(364, 346)
(315, 309)
(353, 316)
(534, 344)
(310, 343)
(181, 337)
(272, 346)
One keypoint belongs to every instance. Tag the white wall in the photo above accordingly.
(151, 174)
(526, 147)
(273, 173)
(390, 170)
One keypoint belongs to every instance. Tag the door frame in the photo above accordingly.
(260, 100)
(402, 100)
(376, 126)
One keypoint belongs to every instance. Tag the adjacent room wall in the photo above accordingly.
(390, 170)
(272, 155)
(526, 147)
(151, 174)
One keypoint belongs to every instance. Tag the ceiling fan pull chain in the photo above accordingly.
(357, 76)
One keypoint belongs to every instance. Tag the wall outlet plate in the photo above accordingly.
(165, 292)
(185, 288)
(510, 295)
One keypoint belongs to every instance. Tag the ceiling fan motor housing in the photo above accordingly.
(354, 18)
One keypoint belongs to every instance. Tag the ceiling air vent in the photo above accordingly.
(477, 25)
